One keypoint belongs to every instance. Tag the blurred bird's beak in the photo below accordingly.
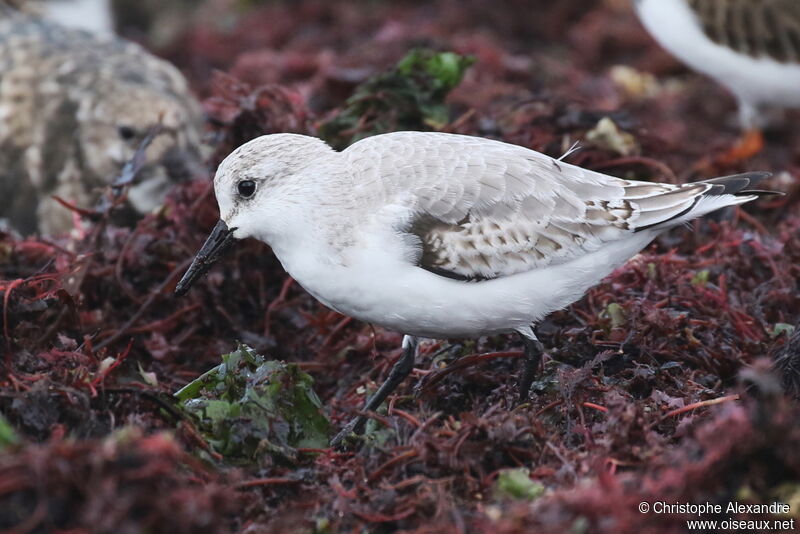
(182, 164)
(218, 242)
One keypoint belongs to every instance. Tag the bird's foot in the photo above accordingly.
(533, 353)
(400, 370)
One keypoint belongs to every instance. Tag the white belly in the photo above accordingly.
(379, 289)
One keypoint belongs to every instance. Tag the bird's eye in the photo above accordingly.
(246, 188)
(126, 133)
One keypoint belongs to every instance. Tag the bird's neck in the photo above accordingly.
(304, 249)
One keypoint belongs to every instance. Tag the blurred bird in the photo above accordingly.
(439, 235)
(752, 47)
(73, 109)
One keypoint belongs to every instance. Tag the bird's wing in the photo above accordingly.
(483, 209)
(758, 28)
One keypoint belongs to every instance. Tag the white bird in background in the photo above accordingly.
(752, 47)
(438, 235)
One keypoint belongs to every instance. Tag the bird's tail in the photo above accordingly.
(679, 204)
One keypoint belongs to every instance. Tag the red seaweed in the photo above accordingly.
(657, 386)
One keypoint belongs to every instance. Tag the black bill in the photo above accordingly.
(218, 242)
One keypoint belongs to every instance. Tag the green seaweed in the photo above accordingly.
(248, 406)
(517, 484)
(409, 96)
(700, 278)
(8, 435)
(782, 328)
(614, 314)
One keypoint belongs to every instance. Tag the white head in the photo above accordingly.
(260, 191)
(260, 182)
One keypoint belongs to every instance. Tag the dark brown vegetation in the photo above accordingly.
(658, 385)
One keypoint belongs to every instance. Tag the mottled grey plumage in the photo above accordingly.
(769, 28)
(73, 109)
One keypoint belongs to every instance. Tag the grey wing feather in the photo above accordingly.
(482, 209)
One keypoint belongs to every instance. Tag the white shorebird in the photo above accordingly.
(752, 47)
(438, 235)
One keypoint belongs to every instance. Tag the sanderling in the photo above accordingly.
(438, 235)
(74, 107)
(751, 47)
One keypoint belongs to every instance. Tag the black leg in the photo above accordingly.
(401, 369)
(532, 360)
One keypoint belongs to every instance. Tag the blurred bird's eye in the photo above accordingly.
(246, 188)
(126, 132)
